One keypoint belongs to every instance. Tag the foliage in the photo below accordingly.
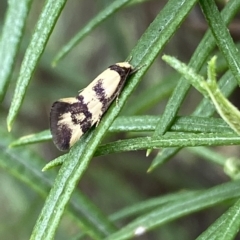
(117, 199)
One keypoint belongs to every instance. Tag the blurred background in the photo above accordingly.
(110, 42)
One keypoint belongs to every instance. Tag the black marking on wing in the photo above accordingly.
(101, 95)
(81, 107)
(100, 91)
(62, 132)
(122, 71)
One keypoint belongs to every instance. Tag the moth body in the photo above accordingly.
(70, 118)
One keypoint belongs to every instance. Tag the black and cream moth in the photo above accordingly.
(70, 118)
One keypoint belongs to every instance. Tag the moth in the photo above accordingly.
(71, 117)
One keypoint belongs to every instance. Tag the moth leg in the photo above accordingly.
(99, 120)
(79, 91)
(117, 99)
(137, 68)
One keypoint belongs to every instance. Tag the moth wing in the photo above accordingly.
(70, 118)
(104, 87)
(109, 80)
(111, 84)
(64, 130)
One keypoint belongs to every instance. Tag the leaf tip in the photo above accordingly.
(9, 126)
(44, 169)
(54, 63)
(149, 170)
(148, 152)
(11, 145)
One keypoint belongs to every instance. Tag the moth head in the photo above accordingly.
(126, 65)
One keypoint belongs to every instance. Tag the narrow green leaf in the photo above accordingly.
(225, 227)
(176, 209)
(10, 39)
(222, 36)
(144, 123)
(32, 138)
(169, 140)
(196, 80)
(44, 27)
(189, 124)
(209, 89)
(54, 163)
(151, 204)
(18, 162)
(103, 15)
(225, 108)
